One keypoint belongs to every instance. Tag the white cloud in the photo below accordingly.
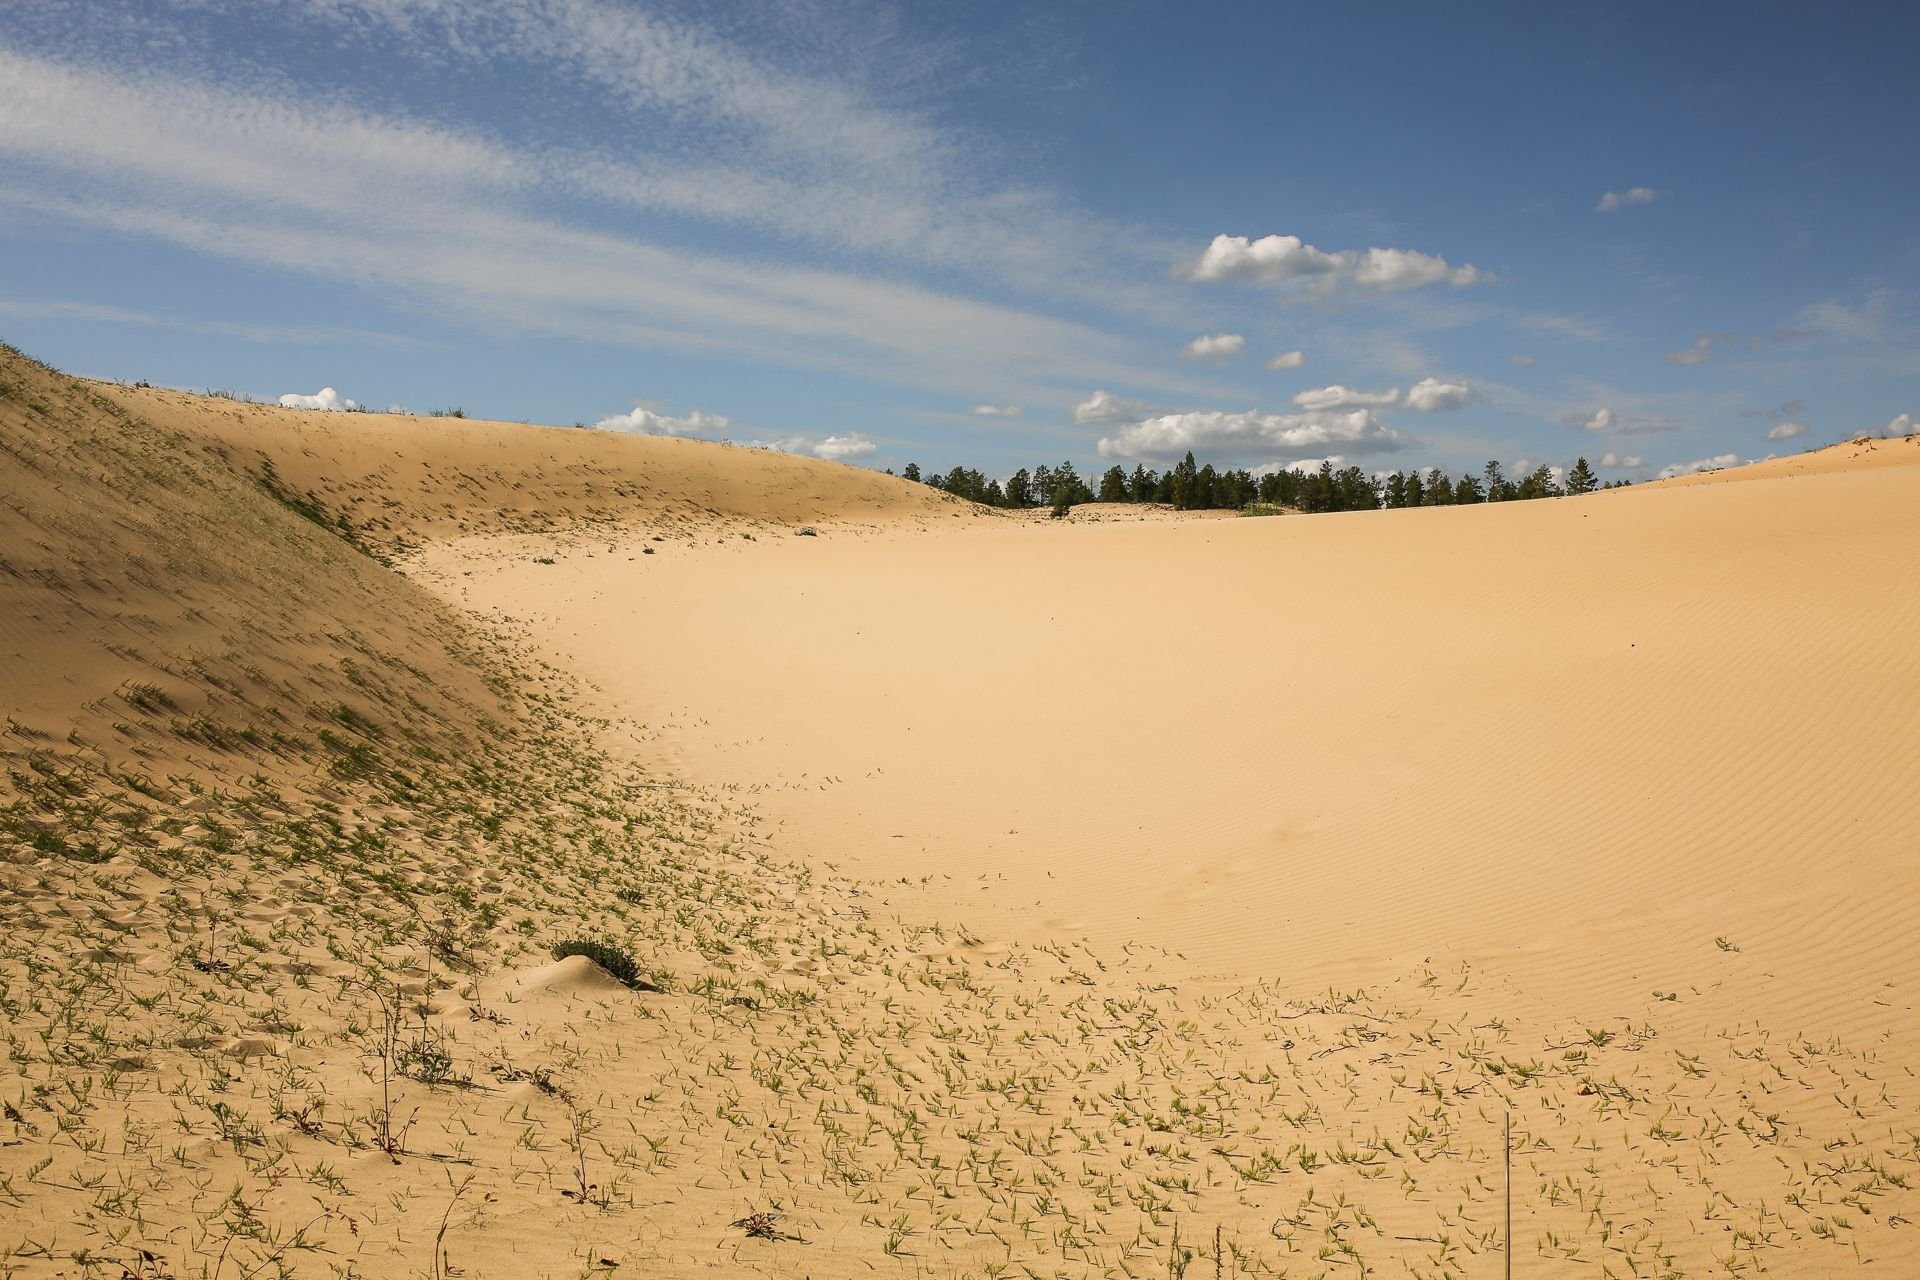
(325, 398)
(833, 448)
(1599, 420)
(1215, 347)
(1525, 362)
(263, 333)
(841, 448)
(1786, 430)
(1104, 407)
(1302, 466)
(1714, 463)
(1614, 201)
(784, 444)
(1627, 462)
(1430, 395)
(1287, 360)
(1567, 325)
(1321, 399)
(1279, 259)
(996, 411)
(1695, 354)
(500, 237)
(1895, 428)
(1397, 269)
(647, 421)
(1171, 435)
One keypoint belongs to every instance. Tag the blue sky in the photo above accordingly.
(1660, 236)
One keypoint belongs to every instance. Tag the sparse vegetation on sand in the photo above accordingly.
(282, 892)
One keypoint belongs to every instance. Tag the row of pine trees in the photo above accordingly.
(1197, 488)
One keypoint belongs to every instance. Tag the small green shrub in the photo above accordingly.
(611, 956)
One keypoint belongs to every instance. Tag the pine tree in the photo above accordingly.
(1020, 489)
(1581, 479)
(1185, 477)
(1113, 485)
(1396, 490)
(912, 472)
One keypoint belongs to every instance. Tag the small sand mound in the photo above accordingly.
(575, 975)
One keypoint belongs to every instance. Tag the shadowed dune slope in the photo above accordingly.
(148, 585)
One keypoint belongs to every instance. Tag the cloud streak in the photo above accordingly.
(462, 223)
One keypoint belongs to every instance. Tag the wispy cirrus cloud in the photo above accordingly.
(312, 335)
(459, 221)
(1698, 353)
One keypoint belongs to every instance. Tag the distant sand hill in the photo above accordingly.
(1003, 897)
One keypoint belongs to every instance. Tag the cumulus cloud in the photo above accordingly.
(647, 421)
(1103, 407)
(1215, 347)
(1303, 466)
(1287, 360)
(1599, 420)
(1896, 427)
(1696, 354)
(1714, 463)
(1171, 435)
(1614, 201)
(832, 448)
(1321, 399)
(1525, 362)
(996, 411)
(841, 448)
(1627, 462)
(1430, 395)
(325, 398)
(1786, 430)
(1287, 259)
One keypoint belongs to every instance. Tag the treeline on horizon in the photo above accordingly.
(1187, 487)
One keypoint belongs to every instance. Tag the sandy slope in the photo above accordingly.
(1642, 758)
(1578, 740)
(397, 477)
(1596, 814)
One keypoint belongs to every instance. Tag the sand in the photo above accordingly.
(1131, 894)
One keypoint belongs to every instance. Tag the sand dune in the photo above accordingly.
(396, 477)
(1579, 738)
(1121, 896)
